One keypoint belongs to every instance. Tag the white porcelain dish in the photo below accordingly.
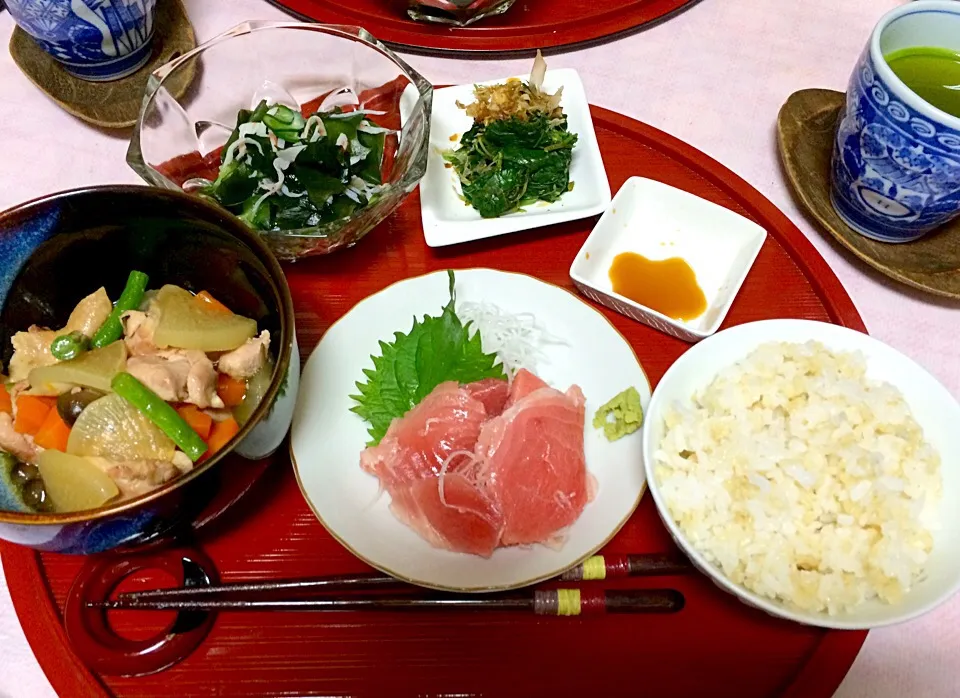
(932, 405)
(327, 438)
(659, 222)
(448, 220)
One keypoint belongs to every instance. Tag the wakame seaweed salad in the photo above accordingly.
(518, 150)
(281, 171)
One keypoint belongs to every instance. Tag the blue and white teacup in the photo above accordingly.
(896, 159)
(92, 39)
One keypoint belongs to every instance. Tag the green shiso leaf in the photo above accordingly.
(435, 350)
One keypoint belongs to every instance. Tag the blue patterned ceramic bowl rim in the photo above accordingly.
(904, 93)
(42, 206)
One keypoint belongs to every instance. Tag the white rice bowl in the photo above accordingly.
(803, 466)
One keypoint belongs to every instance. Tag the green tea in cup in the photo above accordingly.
(933, 73)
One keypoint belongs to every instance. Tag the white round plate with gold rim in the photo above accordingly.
(327, 438)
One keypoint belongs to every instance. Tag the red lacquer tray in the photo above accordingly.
(525, 27)
(715, 647)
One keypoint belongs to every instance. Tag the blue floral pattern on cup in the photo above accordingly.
(895, 173)
(92, 39)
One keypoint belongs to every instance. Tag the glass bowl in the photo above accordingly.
(179, 140)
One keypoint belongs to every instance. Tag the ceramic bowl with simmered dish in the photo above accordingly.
(148, 363)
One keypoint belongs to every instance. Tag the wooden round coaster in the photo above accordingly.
(805, 130)
(113, 104)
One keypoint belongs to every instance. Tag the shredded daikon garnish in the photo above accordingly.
(517, 339)
(469, 455)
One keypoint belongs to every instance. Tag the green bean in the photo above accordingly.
(130, 299)
(69, 346)
(160, 413)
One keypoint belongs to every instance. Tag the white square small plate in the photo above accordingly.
(659, 222)
(449, 220)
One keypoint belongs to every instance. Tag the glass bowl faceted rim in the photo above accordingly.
(404, 184)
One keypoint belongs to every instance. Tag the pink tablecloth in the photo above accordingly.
(715, 77)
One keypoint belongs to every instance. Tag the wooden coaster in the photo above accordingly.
(113, 104)
(805, 130)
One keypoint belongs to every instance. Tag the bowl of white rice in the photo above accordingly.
(810, 470)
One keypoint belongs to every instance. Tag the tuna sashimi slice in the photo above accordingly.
(492, 392)
(523, 384)
(533, 462)
(419, 461)
(461, 518)
(418, 444)
(486, 464)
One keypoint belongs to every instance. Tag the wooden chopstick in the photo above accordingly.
(336, 583)
(618, 566)
(595, 568)
(554, 602)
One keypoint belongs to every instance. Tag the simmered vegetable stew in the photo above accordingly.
(127, 396)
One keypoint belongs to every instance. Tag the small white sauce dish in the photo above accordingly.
(449, 220)
(659, 222)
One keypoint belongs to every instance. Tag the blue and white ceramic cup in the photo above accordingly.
(896, 159)
(92, 39)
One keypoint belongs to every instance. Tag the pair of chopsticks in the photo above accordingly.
(284, 595)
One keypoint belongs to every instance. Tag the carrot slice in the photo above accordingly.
(212, 302)
(231, 390)
(32, 410)
(198, 420)
(53, 433)
(221, 434)
(6, 405)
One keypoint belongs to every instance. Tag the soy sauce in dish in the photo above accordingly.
(668, 286)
